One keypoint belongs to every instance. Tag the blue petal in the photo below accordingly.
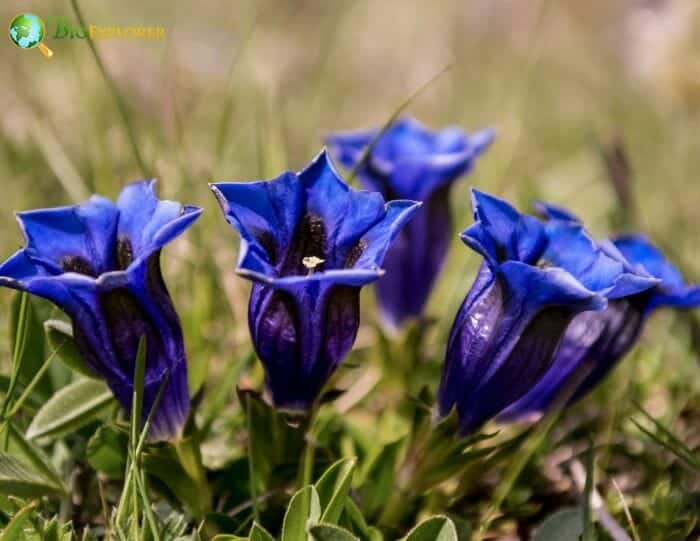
(367, 268)
(419, 177)
(148, 222)
(599, 267)
(346, 213)
(301, 337)
(592, 346)
(554, 212)
(405, 137)
(501, 233)
(85, 231)
(414, 261)
(409, 160)
(504, 338)
(265, 214)
(673, 290)
(550, 286)
(480, 140)
(19, 269)
(348, 147)
(640, 251)
(383, 233)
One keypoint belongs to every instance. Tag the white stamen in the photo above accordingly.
(311, 263)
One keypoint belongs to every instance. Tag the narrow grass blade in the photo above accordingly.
(116, 94)
(400, 109)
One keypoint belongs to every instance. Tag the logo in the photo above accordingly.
(27, 31)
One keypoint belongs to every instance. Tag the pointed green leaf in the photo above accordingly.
(107, 451)
(258, 533)
(330, 532)
(60, 336)
(71, 408)
(436, 528)
(304, 510)
(229, 537)
(564, 524)
(50, 532)
(14, 530)
(378, 478)
(21, 480)
(333, 489)
(35, 458)
(356, 520)
(163, 462)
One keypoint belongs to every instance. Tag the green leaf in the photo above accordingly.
(258, 533)
(438, 528)
(21, 480)
(60, 335)
(271, 439)
(163, 463)
(333, 488)
(107, 451)
(356, 520)
(50, 532)
(71, 408)
(378, 478)
(35, 458)
(304, 510)
(329, 532)
(229, 537)
(14, 531)
(564, 524)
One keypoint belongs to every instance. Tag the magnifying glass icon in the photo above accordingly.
(27, 32)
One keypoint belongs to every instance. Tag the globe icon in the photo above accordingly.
(27, 31)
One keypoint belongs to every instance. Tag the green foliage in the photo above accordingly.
(372, 466)
(564, 524)
(60, 337)
(71, 408)
(433, 529)
(304, 511)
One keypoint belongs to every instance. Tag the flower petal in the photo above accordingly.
(418, 251)
(265, 214)
(502, 233)
(148, 222)
(592, 345)
(79, 236)
(503, 340)
(599, 267)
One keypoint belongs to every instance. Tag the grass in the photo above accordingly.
(246, 90)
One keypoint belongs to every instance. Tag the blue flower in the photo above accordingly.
(308, 243)
(595, 342)
(523, 299)
(100, 263)
(411, 162)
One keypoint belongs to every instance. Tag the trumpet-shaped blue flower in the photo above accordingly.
(411, 162)
(595, 342)
(309, 243)
(100, 263)
(523, 299)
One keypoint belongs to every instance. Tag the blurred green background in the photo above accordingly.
(245, 89)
